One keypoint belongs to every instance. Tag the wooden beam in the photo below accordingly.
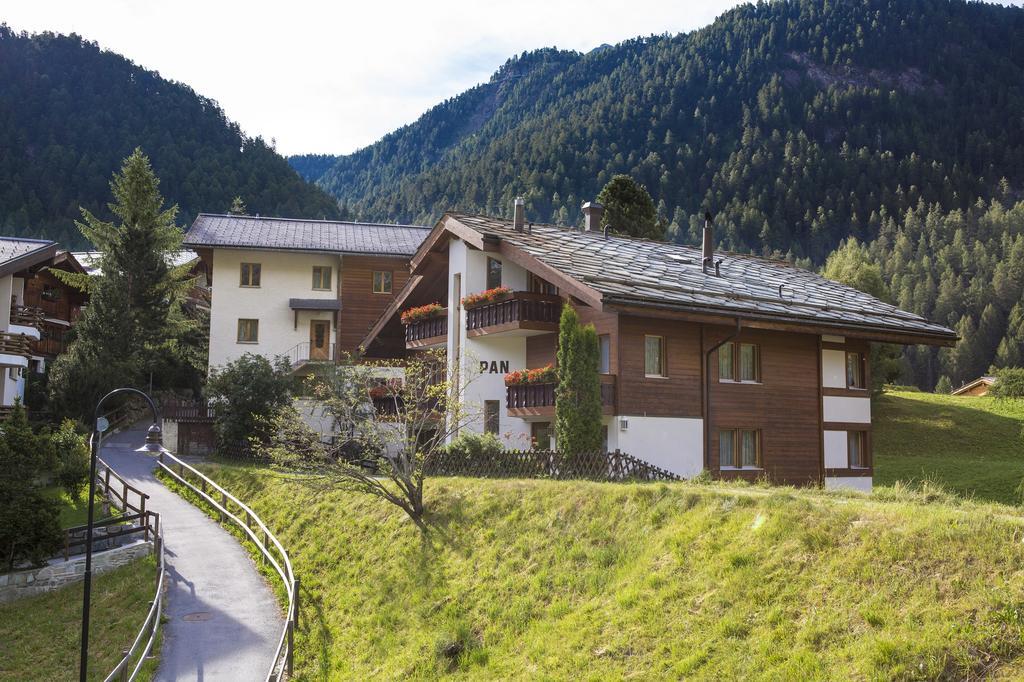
(572, 286)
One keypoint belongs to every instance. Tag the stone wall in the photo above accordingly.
(59, 572)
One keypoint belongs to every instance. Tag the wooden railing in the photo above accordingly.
(231, 508)
(599, 466)
(28, 316)
(520, 307)
(15, 344)
(194, 411)
(431, 328)
(529, 396)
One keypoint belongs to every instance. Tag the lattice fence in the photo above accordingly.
(606, 466)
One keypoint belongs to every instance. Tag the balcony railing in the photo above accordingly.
(15, 344)
(538, 400)
(520, 311)
(27, 316)
(432, 331)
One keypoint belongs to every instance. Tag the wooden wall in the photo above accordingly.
(360, 307)
(676, 395)
(784, 406)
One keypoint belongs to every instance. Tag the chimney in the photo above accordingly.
(592, 212)
(709, 250)
(519, 214)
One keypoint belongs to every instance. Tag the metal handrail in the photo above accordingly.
(152, 622)
(285, 646)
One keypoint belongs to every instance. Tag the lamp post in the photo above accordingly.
(154, 439)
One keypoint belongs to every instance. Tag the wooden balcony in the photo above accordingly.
(538, 400)
(427, 333)
(27, 316)
(521, 313)
(16, 345)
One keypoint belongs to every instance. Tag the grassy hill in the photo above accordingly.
(578, 580)
(971, 446)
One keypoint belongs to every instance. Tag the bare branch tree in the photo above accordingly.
(389, 417)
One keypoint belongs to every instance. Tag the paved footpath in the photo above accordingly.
(223, 621)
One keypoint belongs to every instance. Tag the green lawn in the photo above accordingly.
(73, 511)
(40, 636)
(579, 580)
(972, 446)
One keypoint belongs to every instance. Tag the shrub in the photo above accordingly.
(944, 385)
(245, 395)
(488, 296)
(471, 445)
(422, 312)
(578, 426)
(71, 454)
(1009, 383)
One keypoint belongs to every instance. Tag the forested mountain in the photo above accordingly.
(70, 112)
(796, 123)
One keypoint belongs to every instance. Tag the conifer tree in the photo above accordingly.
(578, 398)
(629, 209)
(944, 385)
(134, 327)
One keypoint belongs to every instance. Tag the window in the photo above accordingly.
(249, 275)
(541, 286)
(856, 450)
(745, 357)
(725, 353)
(739, 449)
(322, 277)
(654, 356)
(605, 342)
(491, 419)
(381, 282)
(248, 331)
(493, 273)
(854, 370)
(541, 435)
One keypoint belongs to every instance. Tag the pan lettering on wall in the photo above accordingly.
(494, 367)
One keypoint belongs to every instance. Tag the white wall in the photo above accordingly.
(846, 409)
(485, 385)
(833, 368)
(861, 483)
(283, 276)
(675, 444)
(836, 450)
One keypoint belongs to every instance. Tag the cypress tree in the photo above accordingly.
(578, 398)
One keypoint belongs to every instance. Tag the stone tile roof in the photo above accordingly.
(256, 232)
(656, 274)
(17, 253)
(90, 260)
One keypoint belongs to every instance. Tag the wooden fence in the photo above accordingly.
(599, 466)
(231, 508)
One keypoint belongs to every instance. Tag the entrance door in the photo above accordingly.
(319, 339)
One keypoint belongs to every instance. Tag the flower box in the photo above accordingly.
(423, 312)
(488, 296)
(541, 375)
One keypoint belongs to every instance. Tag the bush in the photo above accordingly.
(472, 445)
(944, 385)
(71, 454)
(1009, 383)
(246, 394)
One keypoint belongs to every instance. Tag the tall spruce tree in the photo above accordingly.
(578, 398)
(134, 330)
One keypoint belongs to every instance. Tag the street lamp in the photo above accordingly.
(154, 440)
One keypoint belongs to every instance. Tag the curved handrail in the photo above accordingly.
(152, 622)
(284, 653)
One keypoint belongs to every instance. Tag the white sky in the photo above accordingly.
(331, 77)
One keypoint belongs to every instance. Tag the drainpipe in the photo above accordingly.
(707, 392)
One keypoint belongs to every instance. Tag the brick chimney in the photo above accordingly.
(592, 212)
(519, 213)
(708, 246)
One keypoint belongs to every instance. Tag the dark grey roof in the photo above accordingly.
(314, 304)
(256, 232)
(656, 274)
(17, 253)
